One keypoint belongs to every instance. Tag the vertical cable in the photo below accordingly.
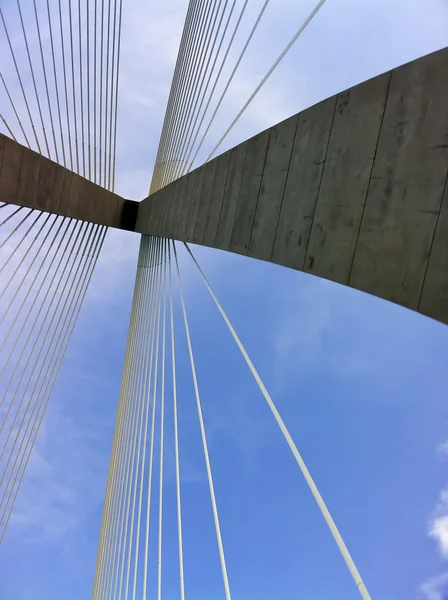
(193, 109)
(101, 93)
(15, 111)
(89, 132)
(64, 70)
(316, 494)
(147, 393)
(187, 159)
(5, 263)
(162, 431)
(109, 174)
(116, 97)
(72, 59)
(56, 83)
(95, 45)
(107, 549)
(288, 47)
(107, 95)
(203, 436)
(117, 502)
(181, 57)
(8, 127)
(20, 81)
(226, 87)
(185, 58)
(44, 70)
(33, 399)
(158, 262)
(176, 439)
(151, 456)
(34, 80)
(81, 89)
(60, 357)
(141, 418)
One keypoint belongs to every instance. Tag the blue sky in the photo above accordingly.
(361, 383)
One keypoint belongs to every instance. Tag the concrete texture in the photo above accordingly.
(29, 179)
(353, 189)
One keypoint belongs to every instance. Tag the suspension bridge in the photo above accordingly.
(353, 189)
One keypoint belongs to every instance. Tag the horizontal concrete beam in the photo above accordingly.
(353, 189)
(31, 180)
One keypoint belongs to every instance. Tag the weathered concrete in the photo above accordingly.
(350, 189)
(303, 184)
(249, 192)
(31, 180)
(353, 189)
(275, 172)
(345, 180)
(231, 194)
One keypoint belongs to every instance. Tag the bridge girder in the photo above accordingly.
(353, 189)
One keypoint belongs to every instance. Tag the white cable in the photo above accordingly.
(34, 80)
(204, 438)
(116, 502)
(147, 394)
(119, 582)
(151, 457)
(50, 28)
(20, 81)
(176, 440)
(230, 79)
(88, 89)
(204, 62)
(223, 62)
(72, 60)
(268, 74)
(81, 90)
(162, 427)
(138, 461)
(56, 368)
(15, 112)
(116, 98)
(320, 502)
(186, 60)
(44, 70)
(64, 70)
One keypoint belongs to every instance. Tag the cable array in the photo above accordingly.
(305, 472)
(48, 262)
(50, 98)
(61, 63)
(208, 36)
(123, 558)
(199, 69)
(46, 282)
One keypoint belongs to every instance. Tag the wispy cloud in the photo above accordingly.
(70, 467)
(438, 528)
(435, 588)
(442, 448)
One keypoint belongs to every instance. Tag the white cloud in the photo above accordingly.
(438, 527)
(435, 588)
(66, 483)
(65, 477)
(439, 531)
(442, 448)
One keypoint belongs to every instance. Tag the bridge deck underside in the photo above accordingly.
(353, 189)
(34, 181)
